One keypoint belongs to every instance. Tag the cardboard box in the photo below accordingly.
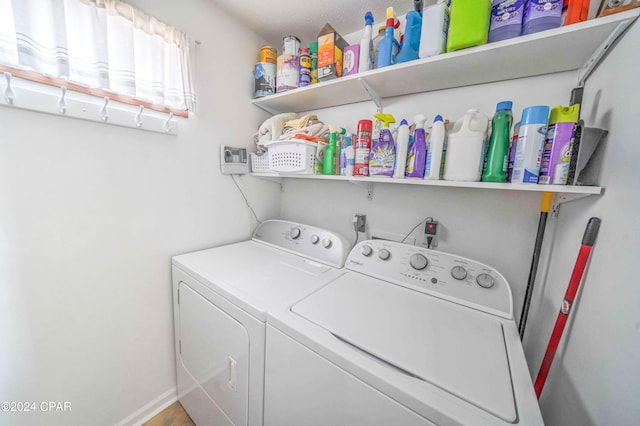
(331, 46)
(351, 59)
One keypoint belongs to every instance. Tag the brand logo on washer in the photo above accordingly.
(566, 307)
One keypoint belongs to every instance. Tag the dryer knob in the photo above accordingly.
(366, 251)
(384, 254)
(315, 239)
(327, 243)
(418, 262)
(485, 280)
(295, 233)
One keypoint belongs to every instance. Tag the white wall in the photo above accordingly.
(595, 378)
(90, 216)
(494, 227)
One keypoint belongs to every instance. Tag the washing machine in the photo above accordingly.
(406, 336)
(221, 299)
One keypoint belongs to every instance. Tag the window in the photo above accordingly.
(102, 47)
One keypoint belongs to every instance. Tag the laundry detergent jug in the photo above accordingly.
(467, 147)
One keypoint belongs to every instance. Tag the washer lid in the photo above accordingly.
(455, 348)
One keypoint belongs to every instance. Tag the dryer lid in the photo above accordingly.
(455, 348)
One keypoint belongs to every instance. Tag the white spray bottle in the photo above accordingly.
(366, 45)
(434, 149)
(402, 147)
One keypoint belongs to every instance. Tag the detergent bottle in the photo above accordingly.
(383, 150)
(498, 156)
(413, 27)
(418, 151)
(389, 46)
(435, 27)
(466, 147)
(330, 155)
(366, 45)
(435, 146)
(402, 147)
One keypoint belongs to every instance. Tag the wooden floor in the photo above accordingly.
(173, 415)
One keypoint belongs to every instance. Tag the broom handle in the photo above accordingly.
(588, 240)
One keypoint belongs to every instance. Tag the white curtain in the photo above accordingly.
(104, 44)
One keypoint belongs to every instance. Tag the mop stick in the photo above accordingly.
(545, 206)
(588, 240)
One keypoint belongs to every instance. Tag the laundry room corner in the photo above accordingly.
(90, 216)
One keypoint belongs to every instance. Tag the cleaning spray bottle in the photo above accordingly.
(418, 151)
(330, 154)
(435, 146)
(413, 28)
(389, 46)
(366, 45)
(402, 147)
(383, 150)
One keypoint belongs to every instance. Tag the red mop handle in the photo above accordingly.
(588, 240)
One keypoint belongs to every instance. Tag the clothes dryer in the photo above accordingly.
(221, 299)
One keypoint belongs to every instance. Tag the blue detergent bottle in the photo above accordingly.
(388, 48)
(413, 29)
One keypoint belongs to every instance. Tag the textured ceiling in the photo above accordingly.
(274, 19)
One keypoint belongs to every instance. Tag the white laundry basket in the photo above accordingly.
(259, 163)
(292, 156)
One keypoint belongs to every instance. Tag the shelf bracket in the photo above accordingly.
(271, 111)
(592, 63)
(561, 198)
(368, 185)
(372, 94)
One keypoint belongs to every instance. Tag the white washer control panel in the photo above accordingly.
(450, 277)
(305, 240)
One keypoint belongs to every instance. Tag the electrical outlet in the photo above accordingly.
(431, 233)
(361, 222)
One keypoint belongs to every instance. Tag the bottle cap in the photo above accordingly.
(313, 47)
(504, 105)
(390, 22)
(563, 114)
(404, 122)
(368, 18)
(438, 118)
(304, 50)
(535, 115)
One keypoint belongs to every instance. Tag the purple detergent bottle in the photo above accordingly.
(418, 151)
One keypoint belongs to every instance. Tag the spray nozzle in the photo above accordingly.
(396, 22)
(419, 119)
(368, 18)
(386, 119)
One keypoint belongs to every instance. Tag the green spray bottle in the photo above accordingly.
(495, 170)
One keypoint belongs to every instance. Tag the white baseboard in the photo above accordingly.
(151, 409)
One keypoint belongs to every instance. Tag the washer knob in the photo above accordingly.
(295, 233)
(366, 250)
(418, 262)
(315, 239)
(384, 254)
(327, 243)
(459, 273)
(485, 280)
